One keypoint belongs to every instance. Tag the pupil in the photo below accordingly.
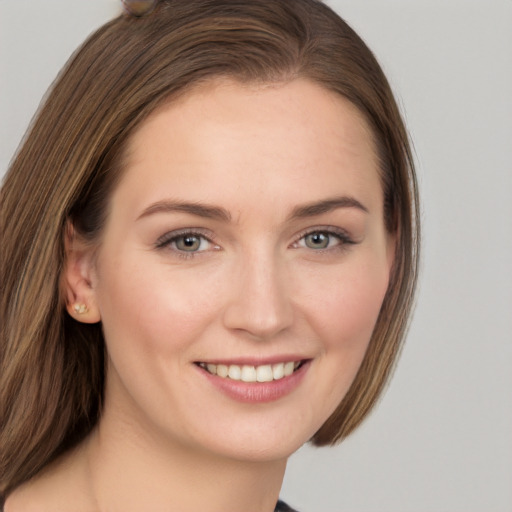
(188, 243)
(318, 240)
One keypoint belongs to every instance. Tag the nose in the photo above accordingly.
(259, 304)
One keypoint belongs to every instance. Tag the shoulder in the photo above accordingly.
(24, 498)
(33, 496)
(47, 496)
(59, 487)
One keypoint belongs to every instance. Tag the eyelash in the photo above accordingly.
(166, 240)
(341, 235)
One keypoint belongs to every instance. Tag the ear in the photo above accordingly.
(78, 277)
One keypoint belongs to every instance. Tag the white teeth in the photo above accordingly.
(278, 371)
(288, 368)
(222, 370)
(264, 373)
(247, 373)
(234, 372)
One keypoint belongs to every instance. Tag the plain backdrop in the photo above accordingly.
(441, 438)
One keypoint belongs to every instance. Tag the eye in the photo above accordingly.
(319, 240)
(190, 243)
(323, 239)
(186, 242)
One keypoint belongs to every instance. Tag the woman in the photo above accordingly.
(209, 256)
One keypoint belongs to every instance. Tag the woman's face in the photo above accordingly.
(245, 238)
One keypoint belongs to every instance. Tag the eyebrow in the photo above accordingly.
(325, 206)
(221, 214)
(198, 209)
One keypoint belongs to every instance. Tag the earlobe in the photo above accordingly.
(78, 278)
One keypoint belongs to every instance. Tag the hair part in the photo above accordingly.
(52, 367)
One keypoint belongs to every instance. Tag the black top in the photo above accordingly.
(283, 507)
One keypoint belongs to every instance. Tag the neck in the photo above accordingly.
(133, 469)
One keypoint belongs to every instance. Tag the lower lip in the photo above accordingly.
(257, 392)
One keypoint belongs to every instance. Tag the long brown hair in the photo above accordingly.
(51, 367)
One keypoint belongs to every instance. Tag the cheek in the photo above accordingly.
(346, 304)
(151, 309)
(339, 305)
(343, 313)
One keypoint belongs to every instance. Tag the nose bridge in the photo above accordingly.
(260, 304)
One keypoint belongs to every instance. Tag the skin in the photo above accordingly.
(257, 287)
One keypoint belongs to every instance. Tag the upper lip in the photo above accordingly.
(255, 361)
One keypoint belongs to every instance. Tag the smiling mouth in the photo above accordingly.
(248, 373)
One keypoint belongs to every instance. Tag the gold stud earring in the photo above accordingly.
(80, 309)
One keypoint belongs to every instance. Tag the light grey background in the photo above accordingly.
(441, 439)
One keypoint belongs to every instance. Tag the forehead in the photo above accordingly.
(225, 137)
